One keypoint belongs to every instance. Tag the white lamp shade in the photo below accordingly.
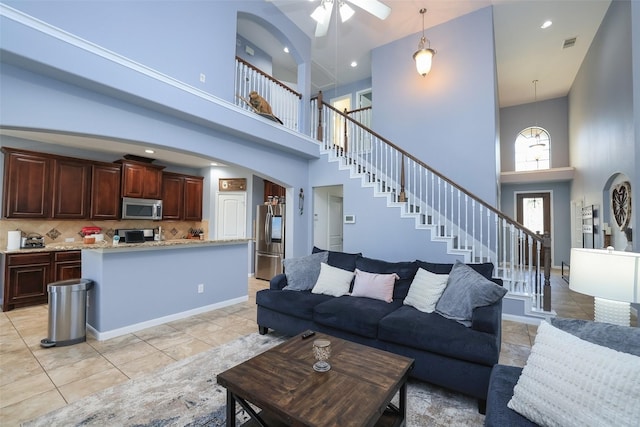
(612, 275)
(346, 12)
(320, 14)
(424, 58)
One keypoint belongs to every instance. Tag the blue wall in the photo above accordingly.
(603, 118)
(454, 106)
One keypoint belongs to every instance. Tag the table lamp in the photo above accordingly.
(611, 277)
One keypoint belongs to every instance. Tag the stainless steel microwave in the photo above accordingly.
(133, 208)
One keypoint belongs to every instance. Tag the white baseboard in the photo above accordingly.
(101, 336)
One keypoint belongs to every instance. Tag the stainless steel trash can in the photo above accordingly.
(67, 312)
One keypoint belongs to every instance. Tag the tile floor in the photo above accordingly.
(34, 381)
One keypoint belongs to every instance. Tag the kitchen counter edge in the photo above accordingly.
(125, 247)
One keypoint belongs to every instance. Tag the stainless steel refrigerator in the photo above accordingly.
(270, 229)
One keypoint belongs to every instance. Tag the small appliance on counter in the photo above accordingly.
(128, 235)
(32, 241)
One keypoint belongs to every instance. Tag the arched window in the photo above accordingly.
(532, 149)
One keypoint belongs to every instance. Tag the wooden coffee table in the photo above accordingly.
(356, 391)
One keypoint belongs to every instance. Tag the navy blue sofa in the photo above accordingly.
(504, 378)
(446, 353)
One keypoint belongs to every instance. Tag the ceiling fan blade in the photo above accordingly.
(323, 27)
(374, 7)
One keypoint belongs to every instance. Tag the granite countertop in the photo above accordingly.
(76, 246)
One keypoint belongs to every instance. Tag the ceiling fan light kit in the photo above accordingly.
(322, 13)
(424, 55)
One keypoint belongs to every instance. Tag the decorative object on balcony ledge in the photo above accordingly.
(269, 115)
(301, 201)
(322, 13)
(423, 56)
(611, 277)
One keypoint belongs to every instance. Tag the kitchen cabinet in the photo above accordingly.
(71, 188)
(141, 180)
(273, 189)
(193, 187)
(105, 191)
(67, 265)
(26, 279)
(27, 184)
(182, 197)
(26, 275)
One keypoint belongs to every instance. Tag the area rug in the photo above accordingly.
(185, 393)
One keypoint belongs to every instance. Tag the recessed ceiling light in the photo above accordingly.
(354, 64)
(546, 24)
(213, 164)
(286, 49)
(149, 151)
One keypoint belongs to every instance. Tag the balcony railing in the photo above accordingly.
(286, 103)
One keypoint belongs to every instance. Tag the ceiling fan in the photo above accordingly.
(322, 14)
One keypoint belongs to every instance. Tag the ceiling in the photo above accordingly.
(524, 52)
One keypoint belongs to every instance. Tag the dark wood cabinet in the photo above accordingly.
(26, 276)
(27, 185)
(71, 188)
(67, 265)
(193, 187)
(105, 191)
(26, 279)
(172, 196)
(141, 180)
(182, 197)
(274, 190)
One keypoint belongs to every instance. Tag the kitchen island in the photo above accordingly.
(137, 286)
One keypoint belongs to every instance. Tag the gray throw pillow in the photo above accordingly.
(466, 290)
(302, 273)
(620, 338)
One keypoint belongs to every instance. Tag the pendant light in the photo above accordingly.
(537, 143)
(424, 56)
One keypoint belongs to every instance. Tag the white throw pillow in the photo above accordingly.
(333, 281)
(571, 382)
(425, 290)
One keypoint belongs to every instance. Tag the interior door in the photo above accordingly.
(335, 223)
(534, 212)
(232, 216)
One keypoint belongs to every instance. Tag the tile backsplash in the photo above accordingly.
(56, 231)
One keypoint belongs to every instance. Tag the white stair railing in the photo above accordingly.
(285, 103)
(471, 227)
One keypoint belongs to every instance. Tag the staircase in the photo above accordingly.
(470, 228)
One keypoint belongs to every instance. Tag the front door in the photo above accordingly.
(534, 212)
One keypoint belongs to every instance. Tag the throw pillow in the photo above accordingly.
(568, 381)
(302, 273)
(374, 285)
(466, 290)
(425, 290)
(333, 281)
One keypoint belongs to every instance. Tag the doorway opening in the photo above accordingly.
(327, 217)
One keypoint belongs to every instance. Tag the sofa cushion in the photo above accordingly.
(302, 273)
(570, 381)
(405, 270)
(374, 285)
(342, 260)
(333, 281)
(359, 316)
(485, 268)
(425, 290)
(295, 303)
(432, 332)
(466, 290)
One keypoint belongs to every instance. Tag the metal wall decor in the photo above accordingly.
(232, 184)
(621, 204)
